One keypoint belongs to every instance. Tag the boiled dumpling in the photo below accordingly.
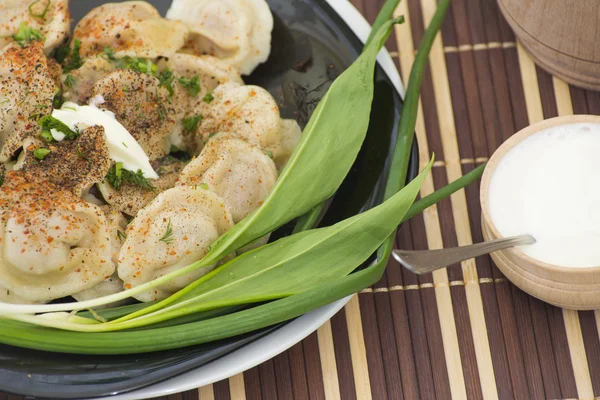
(290, 135)
(141, 105)
(210, 72)
(74, 165)
(242, 174)
(130, 198)
(172, 232)
(53, 244)
(27, 88)
(131, 28)
(117, 224)
(50, 17)
(92, 70)
(237, 31)
(247, 112)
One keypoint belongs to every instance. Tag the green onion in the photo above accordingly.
(26, 34)
(41, 15)
(41, 153)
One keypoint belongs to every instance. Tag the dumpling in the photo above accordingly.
(172, 232)
(52, 243)
(131, 28)
(242, 174)
(117, 224)
(141, 105)
(290, 135)
(73, 165)
(92, 70)
(130, 198)
(27, 89)
(236, 31)
(210, 72)
(247, 112)
(50, 17)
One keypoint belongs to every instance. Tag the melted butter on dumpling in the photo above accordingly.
(247, 112)
(50, 17)
(237, 31)
(242, 174)
(172, 232)
(52, 243)
(131, 28)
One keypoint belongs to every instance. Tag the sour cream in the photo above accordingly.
(547, 186)
(121, 145)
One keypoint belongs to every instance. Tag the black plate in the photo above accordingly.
(311, 46)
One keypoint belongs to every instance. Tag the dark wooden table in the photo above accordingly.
(465, 332)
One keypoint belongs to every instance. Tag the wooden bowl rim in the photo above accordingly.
(491, 167)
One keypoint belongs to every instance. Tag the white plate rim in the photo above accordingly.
(285, 337)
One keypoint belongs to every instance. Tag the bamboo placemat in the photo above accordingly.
(464, 332)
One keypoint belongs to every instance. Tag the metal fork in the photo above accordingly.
(424, 261)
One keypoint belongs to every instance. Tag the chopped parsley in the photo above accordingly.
(109, 52)
(75, 60)
(202, 186)
(190, 124)
(27, 34)
(49, 122)
(41, 15)
(166, 80)
(41, 153)
(192, 85)
(168, 236)
(208, 98)
(121, 236)
(70, 81)
(117, 175)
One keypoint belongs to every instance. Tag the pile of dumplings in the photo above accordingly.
(64, 229)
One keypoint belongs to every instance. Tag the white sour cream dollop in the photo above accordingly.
(121, 145)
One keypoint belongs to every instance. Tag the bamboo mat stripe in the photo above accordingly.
(465, 331)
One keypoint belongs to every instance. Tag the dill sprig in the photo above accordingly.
(192, 85)
(168, 236)
(191, 123)
(165, 79)
(70, 81)
(75, 60)
(117, 175)
(121, 236)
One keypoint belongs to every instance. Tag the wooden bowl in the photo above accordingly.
(561, 36)
(567, 287)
